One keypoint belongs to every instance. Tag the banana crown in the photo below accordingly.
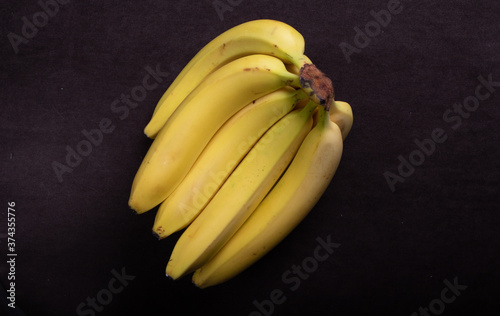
(318, 85)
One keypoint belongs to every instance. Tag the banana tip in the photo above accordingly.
(133, 210)
(198, 283)
(159, 232)
(169, 277)
(149, 132)
(155, 234)
(193, 280)
(198, 286)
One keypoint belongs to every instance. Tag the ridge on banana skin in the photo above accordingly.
(201, 114)
(263, 36)
(222, 154)
(241, 193)
(292, 198)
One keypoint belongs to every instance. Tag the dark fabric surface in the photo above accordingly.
(427, 244)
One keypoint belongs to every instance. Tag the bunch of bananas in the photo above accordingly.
(246, 140)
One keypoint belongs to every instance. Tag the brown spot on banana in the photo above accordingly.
(253, 69)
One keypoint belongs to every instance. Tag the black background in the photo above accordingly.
(397, 248)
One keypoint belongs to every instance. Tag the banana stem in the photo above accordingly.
(301, 94)
(315, 83)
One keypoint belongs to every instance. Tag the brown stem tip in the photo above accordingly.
(317, 84)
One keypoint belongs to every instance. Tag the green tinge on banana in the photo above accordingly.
(283, 208)
(201, 114)
(241, 193)
(222, 154)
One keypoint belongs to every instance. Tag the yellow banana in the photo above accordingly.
(201, 114)
(241, 193)
(285, 206)
(341, 114)
(222, 154)
(268, 37)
